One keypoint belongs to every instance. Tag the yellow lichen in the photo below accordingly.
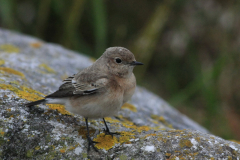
(26, 89)
(108, 119)
(156, 117)
(196, 153)
(62, 150)
(15, 82)
(143, 128)
(154, 121)
(2, 133)
(120, 116)
(124, 139)
(9, 87)
(165, 140)
(105, 141)
(126, 136)
(46, 68)
(124, 133)
(185, 143)
(130, 107)
(161, 119)
(197, 139)
(128, 124)
(150, 135)
(2, 62)
(36, 44)
(37, 148)
(32, 95)
(59, 107)
(28, 96)
(9, 48)
(83, 131)
(9, 110)
(168, 154)
(11, 71)
(160, 138)
(72, 147)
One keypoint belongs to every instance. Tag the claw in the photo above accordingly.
(107, 132)
(91, 143)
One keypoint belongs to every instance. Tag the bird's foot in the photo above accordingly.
(91, 143)
(107, 132)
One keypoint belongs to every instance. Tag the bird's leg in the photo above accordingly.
(107, 131)
(90, 141)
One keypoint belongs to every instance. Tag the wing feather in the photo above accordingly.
(80, 86)
(69, 79)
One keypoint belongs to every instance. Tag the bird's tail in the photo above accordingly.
(35, 103)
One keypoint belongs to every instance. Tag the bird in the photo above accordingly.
(99, 90)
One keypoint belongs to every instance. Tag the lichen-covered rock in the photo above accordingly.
(149, 128)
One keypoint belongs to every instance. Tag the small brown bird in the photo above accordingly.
(100, 90)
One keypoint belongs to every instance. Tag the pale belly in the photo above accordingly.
(99, 107)
(94, 110)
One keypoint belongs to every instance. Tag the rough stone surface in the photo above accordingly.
(149, 127)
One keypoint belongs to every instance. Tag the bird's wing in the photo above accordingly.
(80, 85)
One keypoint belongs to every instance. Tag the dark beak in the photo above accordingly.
(134, 63)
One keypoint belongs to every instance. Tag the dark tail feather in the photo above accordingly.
(35, 103)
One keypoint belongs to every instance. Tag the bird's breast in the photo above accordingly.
(128, 86)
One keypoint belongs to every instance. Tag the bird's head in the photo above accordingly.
(120, 61)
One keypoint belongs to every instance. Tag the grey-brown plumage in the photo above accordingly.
(99, 90)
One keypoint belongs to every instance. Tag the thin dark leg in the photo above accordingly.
(107, 131)
(90, 141)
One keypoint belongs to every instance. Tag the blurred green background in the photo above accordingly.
(191, 49)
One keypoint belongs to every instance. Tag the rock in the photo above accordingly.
(149, 127)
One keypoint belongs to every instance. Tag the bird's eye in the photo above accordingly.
(118, 60)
